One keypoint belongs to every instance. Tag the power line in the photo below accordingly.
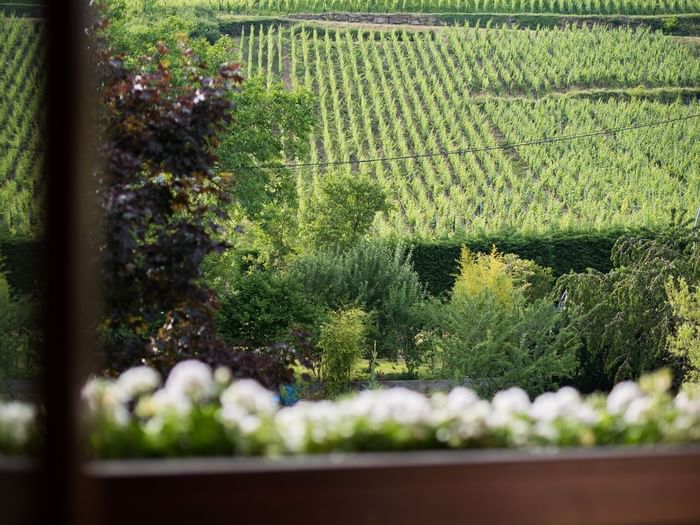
(544, 140)
(535, 142)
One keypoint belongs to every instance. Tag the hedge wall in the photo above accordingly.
(437, 263)
(22, 258)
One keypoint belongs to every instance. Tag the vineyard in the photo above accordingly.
(394, 94)
(428, 95)
(21, 120)
(574, 7)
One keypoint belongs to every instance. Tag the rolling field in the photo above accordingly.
(397, 93)
(22, 116)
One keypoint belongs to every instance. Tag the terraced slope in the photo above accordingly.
(22, 118)
(388, 94)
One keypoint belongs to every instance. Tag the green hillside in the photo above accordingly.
(22, 117)
(397, 93)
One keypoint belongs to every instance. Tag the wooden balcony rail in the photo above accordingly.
(594, 486)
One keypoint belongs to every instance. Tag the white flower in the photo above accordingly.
(164, 400)
(461, 399)
(251, 396)
(223, 376)
(506, 406)
(291, 423)
(191, 378)
(199, 97)
(16, 421)
(566, 403)
(638, 409)
(138, 380)
(622, 395)
(546, 407)
(398, 405)
(688, 403)
(106, 398)
(512, 401)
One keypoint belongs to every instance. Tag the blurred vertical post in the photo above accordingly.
(66, 296)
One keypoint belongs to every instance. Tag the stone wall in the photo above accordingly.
(374, 18)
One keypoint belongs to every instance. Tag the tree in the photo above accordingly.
(343, 211)
(161, 205)
(270, 124)
(624, 317)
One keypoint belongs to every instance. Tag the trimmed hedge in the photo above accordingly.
(437, 262)
(22, 260)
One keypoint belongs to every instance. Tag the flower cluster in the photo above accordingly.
(18, 428)
(200, 411)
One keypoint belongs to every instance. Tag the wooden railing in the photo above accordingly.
(598, 486)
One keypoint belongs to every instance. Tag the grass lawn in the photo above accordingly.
(387, 370)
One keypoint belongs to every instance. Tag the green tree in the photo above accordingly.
(343, 210)
(493, 335)
(623, 317)
(270, 126)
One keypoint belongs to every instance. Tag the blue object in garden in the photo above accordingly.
(288, 395)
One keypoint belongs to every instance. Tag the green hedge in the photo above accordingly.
(436, 262)
(22, 260)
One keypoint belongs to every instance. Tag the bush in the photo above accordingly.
(492, 335)
(341, 214)
(18, 334)
(494, 345)
(342, 342)
(685, 341)
(623, 317)
(437, 263)
(265, 307)
(371, 276)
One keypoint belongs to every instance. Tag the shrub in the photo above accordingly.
(494, 345)
(18, 333)
(374, 277)
(490, 334)
(342, 342)
(343, 210)
(264, 307)
(623, 317)
(481, 274)
(685, 341)
(501, 275)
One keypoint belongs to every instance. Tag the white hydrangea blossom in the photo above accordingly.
(138, 381)
(16, 421)
(622, 395)
(508, 408)
(192, 379)
(638, 410)
(249, 395)
(106, 398)
(688, 403)
(223, 376)
(164, 401)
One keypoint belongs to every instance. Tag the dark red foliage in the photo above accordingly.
(159, 200)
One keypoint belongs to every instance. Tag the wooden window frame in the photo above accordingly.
(594, 486)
